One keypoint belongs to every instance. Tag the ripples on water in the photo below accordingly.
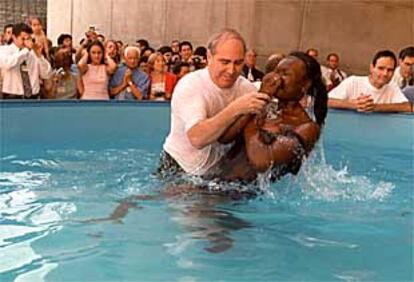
(40, 196)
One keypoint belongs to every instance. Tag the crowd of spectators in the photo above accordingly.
(102, 68)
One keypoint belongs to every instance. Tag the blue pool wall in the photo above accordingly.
(83, 125)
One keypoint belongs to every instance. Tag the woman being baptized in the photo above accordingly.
(278, 139)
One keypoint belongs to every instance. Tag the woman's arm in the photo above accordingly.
(230, 134)
(265, 149)
(280, 146)
(83, 63)
(79, 85)
(309, 133)
(111, 66)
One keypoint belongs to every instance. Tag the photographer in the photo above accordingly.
(23, 65)
(90, 36)
(63, 84)
(199, 58)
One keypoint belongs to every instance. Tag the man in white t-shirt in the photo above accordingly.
(205, 103)
(371, 93)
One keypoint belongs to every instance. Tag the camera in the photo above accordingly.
(197, 62)
(60, 72)
(159, 94)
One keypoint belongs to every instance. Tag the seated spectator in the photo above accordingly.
(147, 51)
(121, 49)
(186, 51)
(166, 51)
(143, 65)
(23, 65)
(371, 93)
(314, 53)
(95, 72)
(65, 40)
(404, 73)
(111, 49)
(7, 34)
(162, 82)
(64, 83)
(271, 66)
(129, 82)
(180, 69)
(199, 58)
(249, 69)
(142, 44)
(331, 74)
(273, 61)
(39, 34)
(175, 47)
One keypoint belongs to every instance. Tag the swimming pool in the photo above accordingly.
(347, 216)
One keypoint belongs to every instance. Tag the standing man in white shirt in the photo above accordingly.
(207, 102)
(373, 93)
(23, 65)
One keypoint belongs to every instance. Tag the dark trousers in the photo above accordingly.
(6, 96)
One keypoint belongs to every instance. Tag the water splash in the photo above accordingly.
(320, 180)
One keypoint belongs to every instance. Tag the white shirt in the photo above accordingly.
(11, 57)
(397, 78)
(327, 72)
(353, 86)
(195, 99)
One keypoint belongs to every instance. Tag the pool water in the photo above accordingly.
(347, 216)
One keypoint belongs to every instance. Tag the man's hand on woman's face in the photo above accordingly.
(251, 103)
(270, 83)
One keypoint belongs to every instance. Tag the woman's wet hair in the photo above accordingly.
(317, 90)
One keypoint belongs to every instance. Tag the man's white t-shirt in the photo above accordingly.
(197, 98)
(354, 86)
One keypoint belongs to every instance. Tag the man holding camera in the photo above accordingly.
(23, 65)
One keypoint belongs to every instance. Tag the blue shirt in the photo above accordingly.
(139, 78)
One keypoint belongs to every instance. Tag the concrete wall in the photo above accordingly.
(353, 28)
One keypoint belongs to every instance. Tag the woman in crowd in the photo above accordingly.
(95, 69)
(64, 83)
(278, 139)
(39, 35)
(162, 82)
(112, 51)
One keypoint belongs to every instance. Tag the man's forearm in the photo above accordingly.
(394, 107)
(342, 104)
(208, 131)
